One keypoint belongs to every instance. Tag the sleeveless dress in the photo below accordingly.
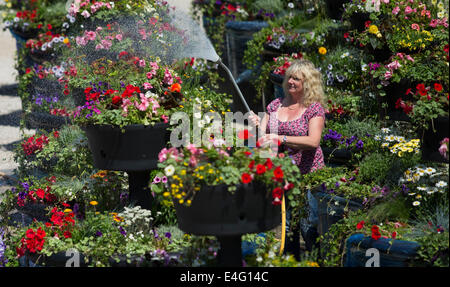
(306, 160)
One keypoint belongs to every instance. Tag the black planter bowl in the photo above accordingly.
(135, 149)
(216, 211)
(248, 210)
(60, 259)
(45, 121)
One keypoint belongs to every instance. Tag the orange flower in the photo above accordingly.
(175, 88)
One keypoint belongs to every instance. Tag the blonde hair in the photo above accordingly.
(312, 81)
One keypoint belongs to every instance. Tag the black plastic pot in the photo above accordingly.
(134, 151)
(358, 20)
(331, 209)
(431, 139)
(385, 252)
(60, 259)
(45, 121)
(336, 156)
(238, 33)
(335, 8)
(216, 211)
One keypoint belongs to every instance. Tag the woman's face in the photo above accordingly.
(295, 85)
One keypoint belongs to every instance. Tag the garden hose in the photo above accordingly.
(283, 224)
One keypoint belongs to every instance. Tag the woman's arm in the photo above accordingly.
(311, 141)
(260, 123)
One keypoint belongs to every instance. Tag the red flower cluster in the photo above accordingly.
(375, 232)
(32, 242)
(278, 176)
(31, 145)
(26, 15)
(62, 222)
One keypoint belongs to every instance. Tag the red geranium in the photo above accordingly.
(278, 173)
(360, 225)
(260, 169)
(437, 87)
(246, 178)
(375, 232)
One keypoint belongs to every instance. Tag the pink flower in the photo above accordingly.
(387, 75)
(144, 103)
(155, 105)
(119, 37)
(396, 10)
(90, 35)
(81, 41)
(147, 86)
(385, 1)
(85, 14)
(165, 118)
(193, 161)
(106, 44)
(415, 26)
(141, 63)
(408, 57)
(125, 104)
(408, 10)
(168, 79)
(394, 65)
(99, 47)
(142, 33)
(150, 75)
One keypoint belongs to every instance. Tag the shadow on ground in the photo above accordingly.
(9, 90)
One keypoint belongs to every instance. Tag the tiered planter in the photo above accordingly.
(392, 253)
(134, 151)
(216, 211)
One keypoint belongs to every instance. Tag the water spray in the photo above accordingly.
(234, 84)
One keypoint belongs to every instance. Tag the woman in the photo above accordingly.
(297, 121)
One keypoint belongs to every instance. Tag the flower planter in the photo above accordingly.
(392, 253)
(134, 151)
(216, 211)
(238, 33)
(331, 209)
(431, 139)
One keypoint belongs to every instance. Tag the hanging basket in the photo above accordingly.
(216, 211)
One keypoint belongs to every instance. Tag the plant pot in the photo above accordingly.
(380, 55)
(60, 259)
(248, 210)
(329, 212)
(431, 139)
(392, 253)
(394, 91)
(335, 8)
(358, 20)
(135, 151)
(238, 33)
(45, 121)
(336, 156)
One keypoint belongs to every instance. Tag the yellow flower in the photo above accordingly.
(166, 194)
(373, 29)
(322, 50)
(67, 210)
(94, 203)
(66, 40)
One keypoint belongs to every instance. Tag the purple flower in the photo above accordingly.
(359, 144)
(100, 234)
(168, 235)
(122, 231)
(25, 185)
(164, 179)
(157, 179)
(337, 184)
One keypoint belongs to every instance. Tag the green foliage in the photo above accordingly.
(376, 168)
(393, 209)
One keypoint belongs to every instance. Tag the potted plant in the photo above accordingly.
(240, 190)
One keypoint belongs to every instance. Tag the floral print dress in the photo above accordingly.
(306, 160)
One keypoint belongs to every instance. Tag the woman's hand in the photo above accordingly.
(255, 120)
(269, 139)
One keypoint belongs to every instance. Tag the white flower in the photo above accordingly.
(346, 54)
(422, 188)
(291, 5)
(271, 254)
(441, 184)
(169, 170)
(385, 130)
(259, 259)
(416, 203)
(430, 170)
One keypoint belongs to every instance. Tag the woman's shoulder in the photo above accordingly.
(316, 109)
(273, 105)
